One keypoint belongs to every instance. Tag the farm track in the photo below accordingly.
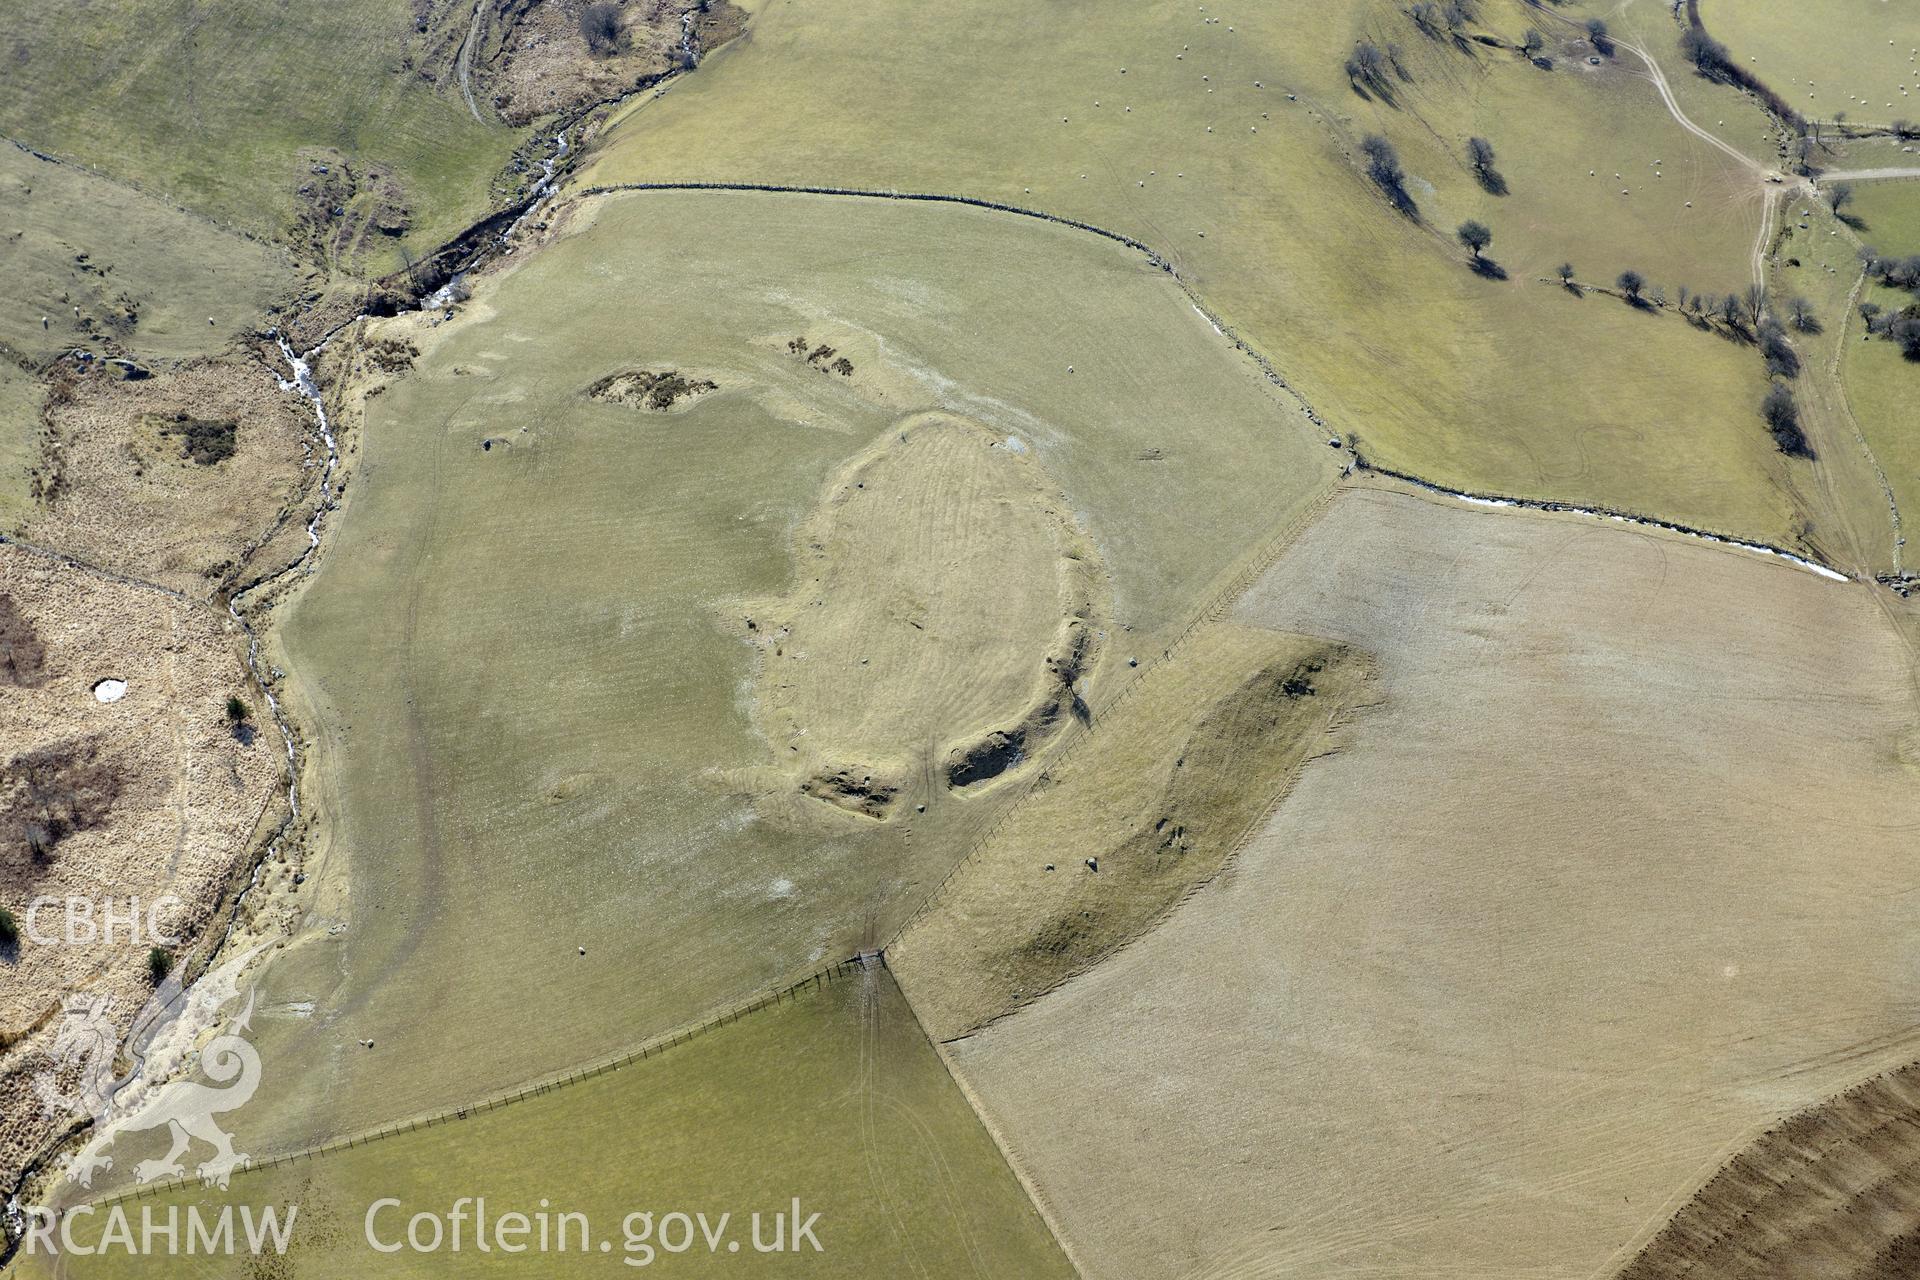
(463, 64)
(1869, 175)
(1773, 194)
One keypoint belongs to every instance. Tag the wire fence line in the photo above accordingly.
(793, 991)
(98, 571)
(1154, 257)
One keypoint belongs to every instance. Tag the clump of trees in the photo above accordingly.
(1901, 325)
(600, 25)
(1783, 420)
(1708, 55)
(1368, 65)
(1895, 273)
(9, 931)
(1713, 61)
(159, 964)
(1631, 284)
(1439, 21)
(1597, 34)
(1383, 167)
(1905, 330)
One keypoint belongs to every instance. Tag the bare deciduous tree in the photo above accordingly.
(1783, 420)
(1383, 166)
(600, 24)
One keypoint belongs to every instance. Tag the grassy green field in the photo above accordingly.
(529, 663)
(1881, 388)
(99, 261)
(1733, 117)
(1886, 215)
(1852, 385)
(1860, 57)
(834, 1098)
(223, 105)
(1227, 138)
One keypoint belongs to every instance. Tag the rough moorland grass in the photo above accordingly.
(20, 396)
(835, 1098)
(209, 104)
(1828, 56)
(1179, 129)
(531, 659)
(100, 262)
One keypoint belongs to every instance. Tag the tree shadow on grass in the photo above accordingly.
(1487, 269)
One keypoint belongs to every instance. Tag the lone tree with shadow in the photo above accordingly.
(1476, 236)
(1632, 284)
(1480, 157)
